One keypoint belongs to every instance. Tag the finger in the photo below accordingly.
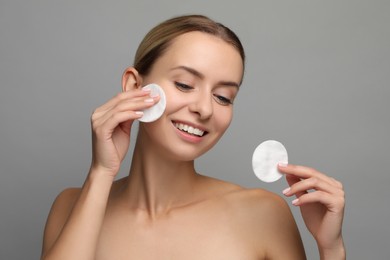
(135, 104)
(337, 183)
(333, 203)
(105, 130)
(311, 184)
(292, 180)
(128, 107)
(302, 172)
(127, 95)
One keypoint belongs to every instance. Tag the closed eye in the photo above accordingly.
(218, 98)
(223, 100)
(183, 87)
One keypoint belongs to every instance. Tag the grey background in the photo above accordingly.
(317, 79)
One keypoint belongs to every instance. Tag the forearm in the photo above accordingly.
(79, 236)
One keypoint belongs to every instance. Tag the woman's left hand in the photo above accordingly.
(321, 201)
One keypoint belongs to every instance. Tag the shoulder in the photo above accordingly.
(64, 202)
(259, 201)
(58, 215)
(259, 205)
(266, 220)
(243, 198)
(62, 206)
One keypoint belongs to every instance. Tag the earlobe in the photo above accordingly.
(131, 79)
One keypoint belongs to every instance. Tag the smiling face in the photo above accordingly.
(200, 74)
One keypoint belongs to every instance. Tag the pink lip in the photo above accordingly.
(186, 136)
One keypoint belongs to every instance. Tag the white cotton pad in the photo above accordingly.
(265, 160)
(153, 113)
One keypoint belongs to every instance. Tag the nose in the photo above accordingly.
(202, 104)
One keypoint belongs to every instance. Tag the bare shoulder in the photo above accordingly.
(59, 213)
(67, 197)
(257, 201)
(265, 219)
(64, 202)
(254, 202)
(245, 199)
(257, 208)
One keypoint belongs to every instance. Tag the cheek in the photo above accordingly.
(174, 100)
(172, 105)
(223, 117)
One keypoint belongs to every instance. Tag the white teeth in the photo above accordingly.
(189, 129)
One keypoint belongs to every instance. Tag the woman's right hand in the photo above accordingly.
(75, 220)
(111, 128)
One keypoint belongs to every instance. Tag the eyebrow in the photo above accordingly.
(201, 76)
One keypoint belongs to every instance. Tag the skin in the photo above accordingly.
(164, 209)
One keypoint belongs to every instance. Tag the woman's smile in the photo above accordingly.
(189, 132)
(193, 130)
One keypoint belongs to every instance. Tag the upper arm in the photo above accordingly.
(59, 213)
(285, 241)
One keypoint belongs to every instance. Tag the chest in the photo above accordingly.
(179, 236)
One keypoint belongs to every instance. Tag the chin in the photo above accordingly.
(185, 152)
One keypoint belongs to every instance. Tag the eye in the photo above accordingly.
(183, 87)
(223, 100)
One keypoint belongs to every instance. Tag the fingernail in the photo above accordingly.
(140, 113)
(286, 190)
(146, 89)
(282, 164)
(149, 100)
(295, 202)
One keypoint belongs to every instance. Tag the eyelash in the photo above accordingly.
(223, 100)
(183, 87)
(220, 99)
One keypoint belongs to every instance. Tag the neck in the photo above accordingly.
(157, 184)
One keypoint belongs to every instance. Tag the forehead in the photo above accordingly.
(205, 53)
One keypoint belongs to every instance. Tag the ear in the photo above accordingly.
(131, 79)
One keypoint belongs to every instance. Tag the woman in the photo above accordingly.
(164, 209)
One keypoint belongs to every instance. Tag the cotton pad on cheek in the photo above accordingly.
(155, 112)
(265, 160)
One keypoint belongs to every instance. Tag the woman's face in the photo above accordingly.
(200, 75)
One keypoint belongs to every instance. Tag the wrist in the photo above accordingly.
(334, 253)
(100, 174)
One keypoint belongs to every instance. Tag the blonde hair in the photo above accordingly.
(157, 40)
